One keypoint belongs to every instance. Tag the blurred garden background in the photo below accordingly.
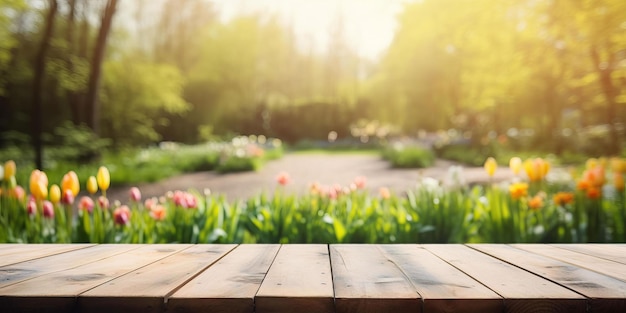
(154, 89)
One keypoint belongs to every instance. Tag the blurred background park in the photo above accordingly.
(105, 95)
(467, 79)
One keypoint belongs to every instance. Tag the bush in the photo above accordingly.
(408, 157)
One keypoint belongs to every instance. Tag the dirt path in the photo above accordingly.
(304, 169)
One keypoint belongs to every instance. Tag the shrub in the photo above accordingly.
(408, 156)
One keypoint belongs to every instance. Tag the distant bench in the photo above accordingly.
(312, 278)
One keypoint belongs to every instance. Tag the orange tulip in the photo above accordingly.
(618, 181)
(70, 182)
(518, 190)
(535, 203)
(39, 184)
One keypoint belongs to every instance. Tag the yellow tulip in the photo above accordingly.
(490, 166)
(92, 185)
(41, 191)
(618, 181)
(55, 193)
(103, 178)
(70, 182)
(515, 164)
(9, 169)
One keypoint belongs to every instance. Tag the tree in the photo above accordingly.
(91, 100)
(40, 67)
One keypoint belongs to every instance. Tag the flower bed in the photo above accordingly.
(537, 206)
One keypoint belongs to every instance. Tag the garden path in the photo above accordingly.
(306, 168)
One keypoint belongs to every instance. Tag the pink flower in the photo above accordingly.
(135, 194)
(192, 203)
(360, 182)
(17, 192)
(158, 212)
(103, 202)
(85, 204)
(179, 199)
(67, 197)
(48, 209)
(384, 192)
(121, 215)
(31, 207)
(150, 203)
(283, 178)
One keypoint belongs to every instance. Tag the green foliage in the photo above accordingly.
(134, 96)
(402, 156)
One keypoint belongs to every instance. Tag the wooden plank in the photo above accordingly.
(299, 280)
(606, 294)
(522, 291)
(605, 251)
(58, 291)
(603, 266)
(366, 280)
(228, 285)
(22, 253)
(443, 287)
(18, 272)
(146, 289)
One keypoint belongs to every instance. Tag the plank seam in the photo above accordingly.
(462, 271)
(589, 253)
(264, 276)
(192, 277)
(51, 254)
(529, 271)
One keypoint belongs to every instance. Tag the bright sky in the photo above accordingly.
(369, 25)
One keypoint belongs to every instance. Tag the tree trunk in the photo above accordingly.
(610, 92)
(91, 101)
(40, 71)
(72, 96)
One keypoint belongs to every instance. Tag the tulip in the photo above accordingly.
(535, 203)
(85, 204)
(384, 192)
(55, 193)
(135, 194)
(515, 164)
(31, 207)
(67, 197)
(17, 193)
(518, 190)
(103, 202)
(121, 215)
(92, 185)
(563, 198)
(283, 178)
(39, 184)
(158, 212)
(70, 182)
(9, 169)
(360, 182)
(103, 178)
(490, 166)
(48, 209)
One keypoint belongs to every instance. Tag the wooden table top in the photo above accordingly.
(313, 278)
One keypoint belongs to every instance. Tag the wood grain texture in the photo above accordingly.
(365, 280)
(600, 265)
(59, 290)
(299, 280)
(522, 291)
(19, 253)
(17, 272)
(443, 287)
(146, 289)
(229, 285)
(605, 251)
(606, 294)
